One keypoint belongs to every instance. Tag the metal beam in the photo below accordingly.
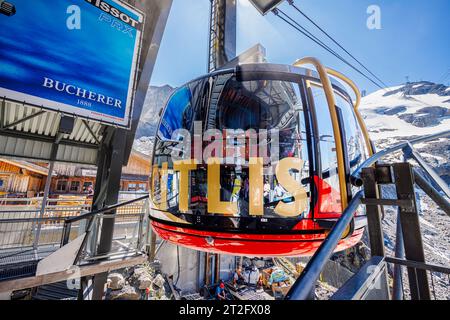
(47, 139)
(398, 287)
(373, 212)
(152, 249)
(432, 192)
(222, 38)
(86, 124)
(355, 177)
(418, 265)
(409, 217)
(48, 181)
(108, 179)
(15, 123)
(411, 152)
(386, 202)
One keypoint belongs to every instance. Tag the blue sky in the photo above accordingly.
(414, 40)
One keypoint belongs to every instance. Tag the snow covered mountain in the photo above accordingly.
(402, 113)
(413, 109)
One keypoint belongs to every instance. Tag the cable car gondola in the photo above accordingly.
(255, 160)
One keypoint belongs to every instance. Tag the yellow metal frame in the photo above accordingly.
(324, 74)
(329, 93)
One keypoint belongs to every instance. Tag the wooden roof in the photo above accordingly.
(27, 166)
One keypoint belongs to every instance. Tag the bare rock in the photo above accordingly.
(116, 281)
(142, 278)
(159, 281)
(126, 293)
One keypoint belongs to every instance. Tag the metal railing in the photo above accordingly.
(304, 287)
(355, 178)
(63, 222)
(131, 227)
(434, 271)
(20, 219)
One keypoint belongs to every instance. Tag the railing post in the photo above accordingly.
(141, 230)
(152, 253)
(409, 218)
(398, 269)
(376, 237)
(66, 233)
(48, 182)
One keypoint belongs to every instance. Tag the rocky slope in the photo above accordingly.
(402, 113)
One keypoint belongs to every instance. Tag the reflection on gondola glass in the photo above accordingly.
(178, 114)
(327, 181)
(262, 106)
(353, 137)
(245, 162)
(269, 113)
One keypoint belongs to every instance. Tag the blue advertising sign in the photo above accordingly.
(78, 57)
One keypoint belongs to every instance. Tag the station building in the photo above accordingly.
(26, 179)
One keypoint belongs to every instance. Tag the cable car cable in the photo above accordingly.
(291, 2)
(444, 76)
(310, 34)
(323, 45)
(277, 11)
(320, 43)
(326, 47)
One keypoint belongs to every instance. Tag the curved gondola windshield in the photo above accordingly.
(233, 149)
(256, 161)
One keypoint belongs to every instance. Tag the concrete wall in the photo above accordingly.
(189, 261)
(227, 267)
(192, 267)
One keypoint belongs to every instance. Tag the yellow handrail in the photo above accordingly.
(329, 93)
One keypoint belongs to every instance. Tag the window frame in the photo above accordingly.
(313, 109)
(71, 186)
(204, 222)
(65, 181)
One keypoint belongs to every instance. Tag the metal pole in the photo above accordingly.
(46, 193)
(432, 192)
(217, 267)
(207, 269)
(373, 213)
(152, 254)
(110, 175)
(222, 39)
(398, 270)
(305, 284)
